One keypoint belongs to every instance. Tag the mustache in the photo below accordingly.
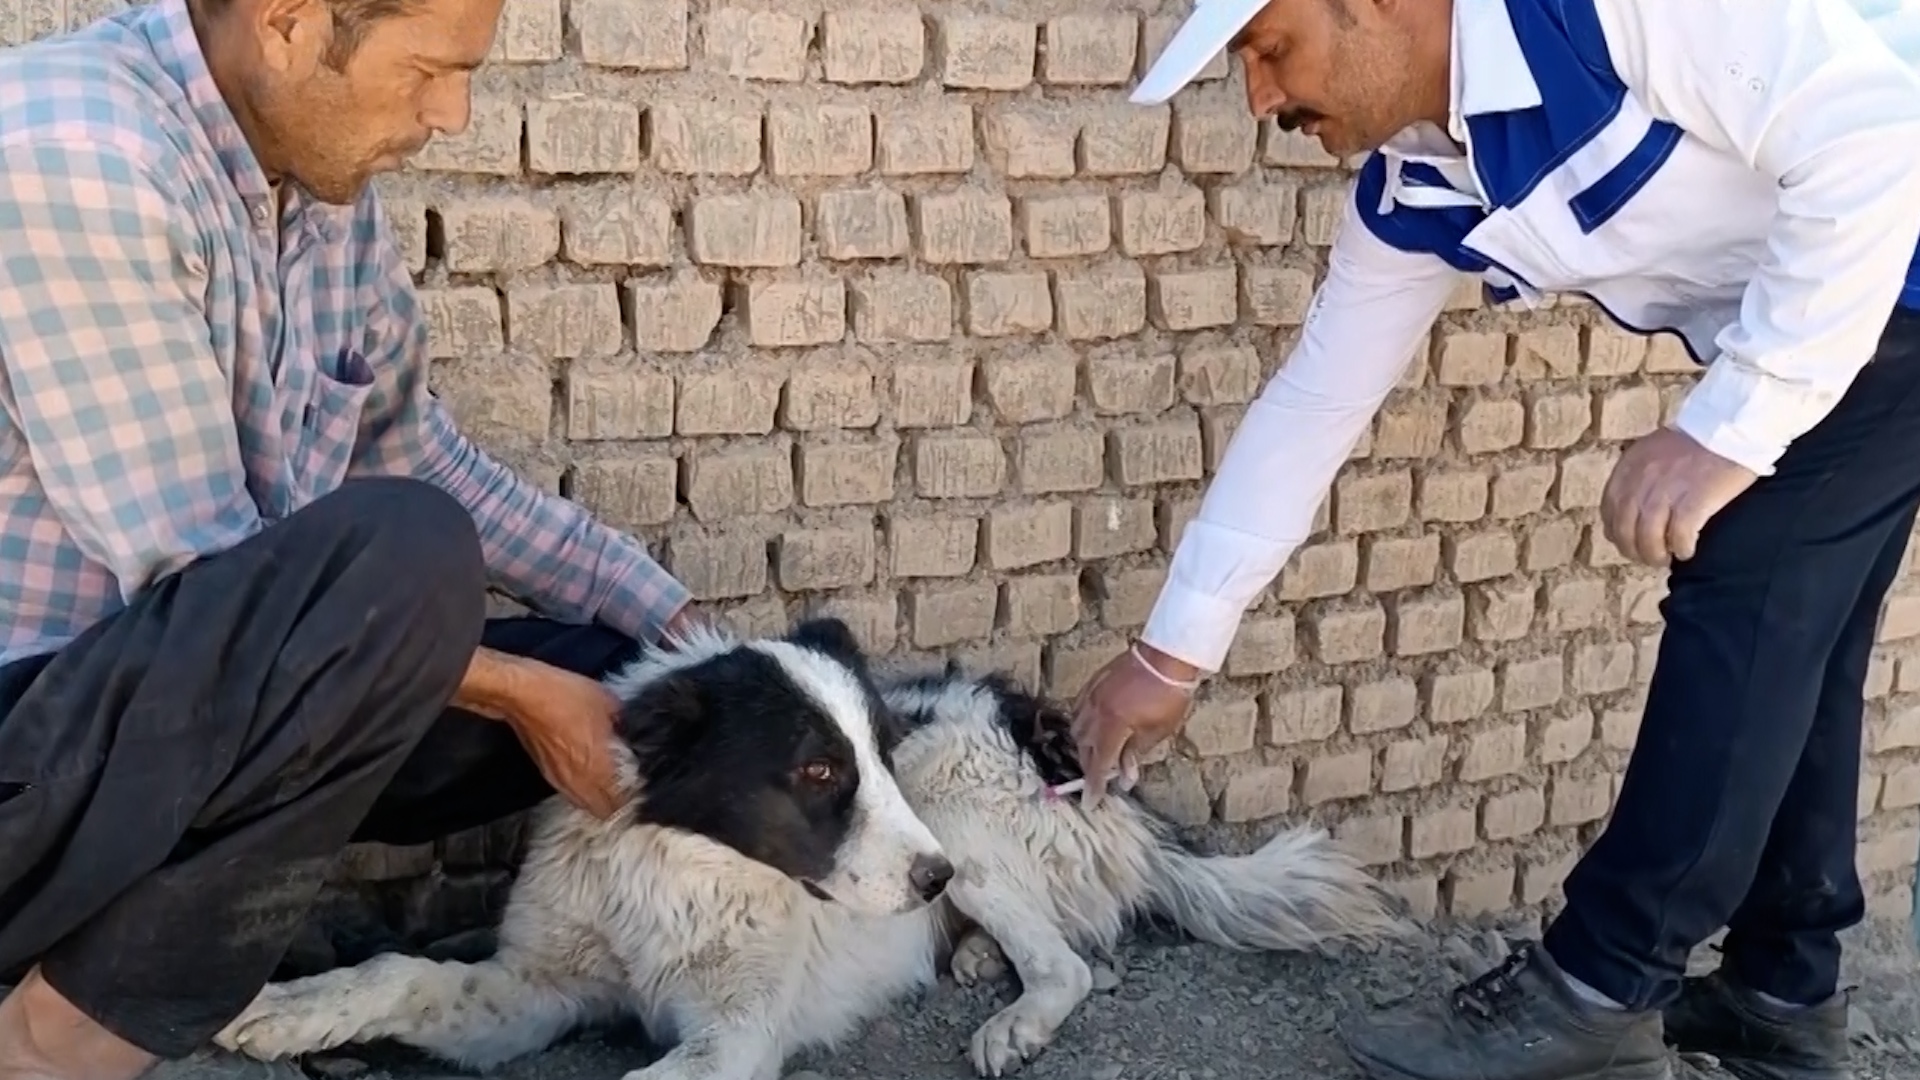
(1295, 119)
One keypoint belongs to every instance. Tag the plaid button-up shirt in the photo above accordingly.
(184, 364)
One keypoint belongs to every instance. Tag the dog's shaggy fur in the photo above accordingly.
(772, 887)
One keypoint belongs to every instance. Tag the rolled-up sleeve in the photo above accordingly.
(110, 375)
(1365, 322)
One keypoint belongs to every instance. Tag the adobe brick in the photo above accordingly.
(1255, 213)
(1130, 383)
(1004, 304)
(872, 45)
(942, 615)
(1413, 763)
(498, 234)
(865, 223)
(958, 465)
(1194, 299)
(616, 229)
(1030, 387)
(932, 393)
(1101, 303)
(828, 396)
(1547, 352)
(566, 320)
(739, 481)
(825, 558)
(795, 311)
(1028, 535)
(984, 52)
(932, 546)
(1332, 777)
(1454, 697)
(924, 139)
(730, 399)
(1213, 139)
(641, 35)
(1256, 792)
(1514, 814)
(1480, 556)
(848, 473)
(629, 492)
(1263, 646)
(1442, 832)
(963, 227)
(819, 140)
(719, 567)
(766, 46)
(1349, 635)
(530, 32)
(1161, 223)
(1127, 596)
(704, 138)
(1276, 295)
(897, 308)
(1107, 525)
(1027, 143)
(1123, 140)
(1065, 226)
(1164, 451)
(618, 402)
(582, 136)
(1059, 460)
(491, 143)
(744, 230)
(1317, 570)
(1564, 738)
(1040, 605)
(675, 316)
(462, 321)
(1089, 50)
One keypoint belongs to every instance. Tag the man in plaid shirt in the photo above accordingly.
(243, 551)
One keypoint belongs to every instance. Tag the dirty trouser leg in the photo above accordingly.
(178, 779)
(1744, 726)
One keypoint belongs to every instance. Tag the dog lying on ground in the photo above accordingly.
(806, 844)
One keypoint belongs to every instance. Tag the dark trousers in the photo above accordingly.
(1739, 805)
(176, 783)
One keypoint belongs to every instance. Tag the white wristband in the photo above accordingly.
(1184, 686)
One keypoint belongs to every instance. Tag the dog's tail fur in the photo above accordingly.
(1297, 892)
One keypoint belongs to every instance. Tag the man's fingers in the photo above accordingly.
(1100, 755)
(1650, 531)
(1683, 533)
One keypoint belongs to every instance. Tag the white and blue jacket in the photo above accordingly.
(1742, 173)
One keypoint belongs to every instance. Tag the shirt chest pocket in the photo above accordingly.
(330, 421)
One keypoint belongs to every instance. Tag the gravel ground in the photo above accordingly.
(1167, 1010)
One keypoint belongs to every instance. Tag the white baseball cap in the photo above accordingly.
(1200, 38)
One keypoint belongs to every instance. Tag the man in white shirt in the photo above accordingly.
(1746, 176)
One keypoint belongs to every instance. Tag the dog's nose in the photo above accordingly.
(929, 876)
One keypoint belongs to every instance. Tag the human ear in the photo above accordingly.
(293, 34)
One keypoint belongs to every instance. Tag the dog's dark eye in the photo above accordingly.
(818, 772)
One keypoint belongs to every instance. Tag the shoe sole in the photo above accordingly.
(1742, 1069)
(1654, 1070)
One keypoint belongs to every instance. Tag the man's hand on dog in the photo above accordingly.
(1663, 491)
(566, 723)
(1124, 711)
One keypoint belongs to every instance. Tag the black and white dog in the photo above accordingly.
(806, 844)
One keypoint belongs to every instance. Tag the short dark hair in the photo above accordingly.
(351, 20)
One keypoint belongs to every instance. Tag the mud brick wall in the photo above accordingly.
(902, 312)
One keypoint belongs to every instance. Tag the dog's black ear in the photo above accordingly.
(831, 636)
(662, 722)
(1042, 729)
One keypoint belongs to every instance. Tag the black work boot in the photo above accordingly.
(1520, 1021)
(1757, 1040)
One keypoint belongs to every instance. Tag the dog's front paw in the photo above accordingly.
(1010, 1039)
(977, 959)
(286, 1020)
